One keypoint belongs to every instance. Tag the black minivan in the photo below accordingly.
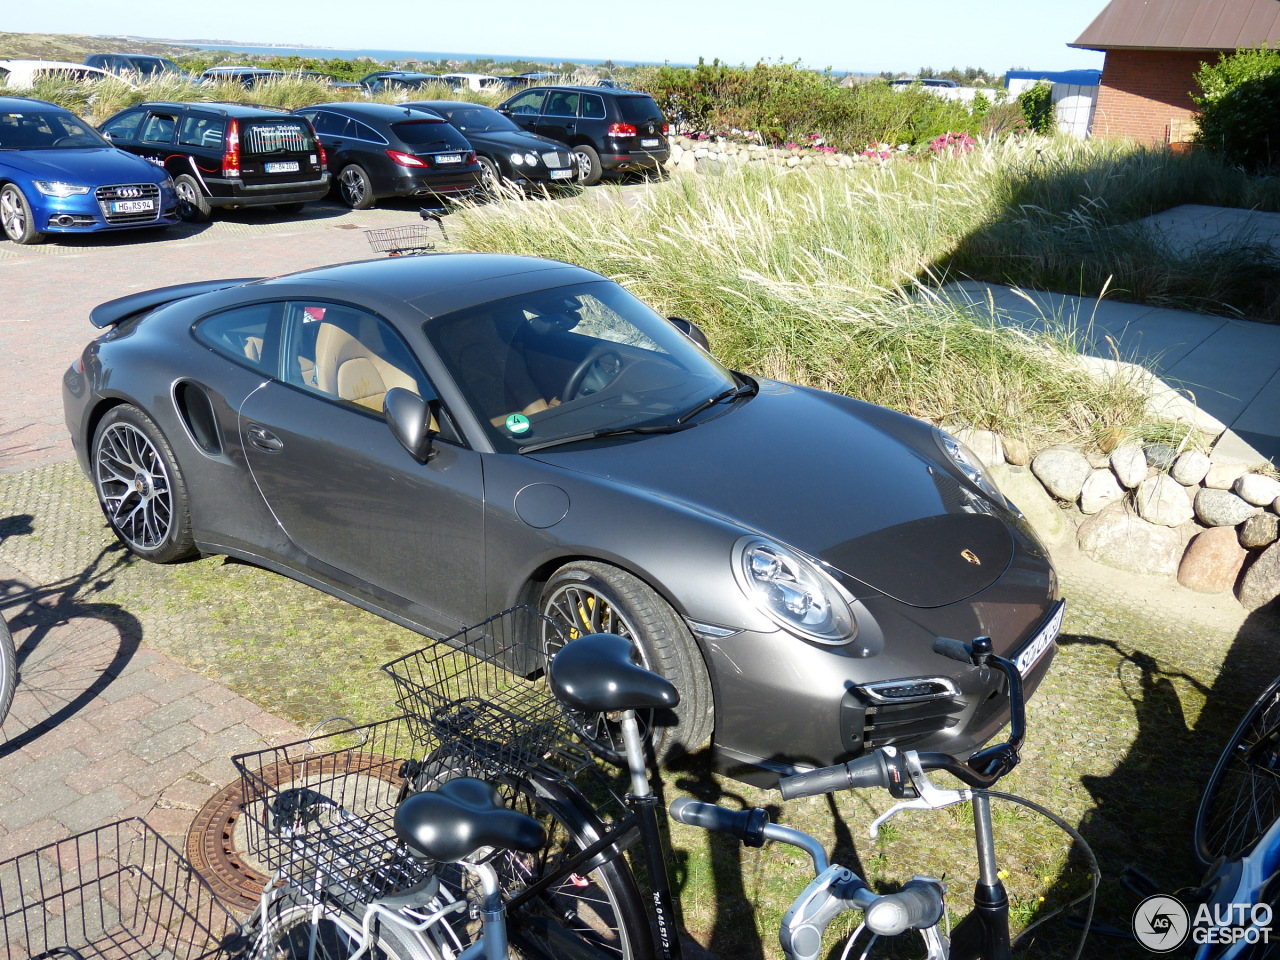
(607, 128)
(225, 154)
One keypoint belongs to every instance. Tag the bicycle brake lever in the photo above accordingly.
(928, 797)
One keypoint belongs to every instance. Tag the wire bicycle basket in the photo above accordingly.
(117, 891)
(483, 692)
(410, 239)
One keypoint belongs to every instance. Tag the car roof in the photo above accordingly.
(224, 107)
(441, 283)
(590, 88)
(370, 111)
(26, 103)
(432, 104)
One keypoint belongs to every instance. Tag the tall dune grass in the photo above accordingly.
(815, 278)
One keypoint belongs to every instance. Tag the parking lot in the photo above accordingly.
(138, 682)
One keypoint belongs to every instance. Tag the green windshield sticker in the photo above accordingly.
(518, 423)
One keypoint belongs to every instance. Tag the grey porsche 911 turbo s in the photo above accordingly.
(437, 438)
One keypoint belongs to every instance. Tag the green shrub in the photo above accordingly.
(1037, 108)
(1237, 100)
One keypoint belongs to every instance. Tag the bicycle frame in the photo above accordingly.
(1236, 882)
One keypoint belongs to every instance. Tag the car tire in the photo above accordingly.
(290, 207)
(192, 202)
(140, 487)
(354, 187)
(592, 597)
(589, 169)
(16, 217)
(491, 179)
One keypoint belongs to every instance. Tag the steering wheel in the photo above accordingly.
(603, 361)
(67, 141)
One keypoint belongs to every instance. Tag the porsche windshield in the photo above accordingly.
(566, 364)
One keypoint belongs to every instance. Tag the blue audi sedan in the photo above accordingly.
(59, 176)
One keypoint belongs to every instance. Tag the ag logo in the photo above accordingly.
(1161, 923)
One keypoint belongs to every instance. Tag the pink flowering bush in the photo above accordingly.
(951, 144)
(878, 151)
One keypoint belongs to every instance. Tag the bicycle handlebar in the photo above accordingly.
(885, 767)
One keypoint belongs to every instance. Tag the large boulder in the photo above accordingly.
(1119, 538)
(1130, 465)
(1221, 508)
(1040, 509)
(1212, 561)
(1260, 584)
(1162, 500)
(1223, 476)
(1062, 471)
(1190, 468)
(1260, 531)
(1101, 489)
(1257, 489)
(985, 445)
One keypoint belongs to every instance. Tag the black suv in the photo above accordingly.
(607, 128)
(226, 154)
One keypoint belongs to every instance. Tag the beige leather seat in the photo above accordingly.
(350, 369)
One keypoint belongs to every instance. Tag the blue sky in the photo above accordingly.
(864, 35)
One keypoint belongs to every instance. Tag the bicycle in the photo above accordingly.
(411, 239)
(119, 890)
(8, 669)
(1237, 837)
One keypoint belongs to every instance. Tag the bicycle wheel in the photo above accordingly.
(8, 669)
(1242, 798)
(596, 913)
(291, 932)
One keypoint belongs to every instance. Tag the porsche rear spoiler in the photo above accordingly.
(113, 311)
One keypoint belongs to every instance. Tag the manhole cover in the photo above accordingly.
(218, 844)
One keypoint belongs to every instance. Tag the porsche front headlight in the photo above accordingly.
(969, 464)
(792, 591)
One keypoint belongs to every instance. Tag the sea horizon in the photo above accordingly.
(333, 53)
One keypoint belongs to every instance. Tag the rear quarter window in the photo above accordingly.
(246, 335)
(261, 137)
(636, 109)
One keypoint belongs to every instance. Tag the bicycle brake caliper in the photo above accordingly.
(831, 893)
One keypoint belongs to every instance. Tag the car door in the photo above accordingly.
(559, 119)
(526, 108)
(344, 490)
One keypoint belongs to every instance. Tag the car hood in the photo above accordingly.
(92, 165)
(804, 468)
(517, 140)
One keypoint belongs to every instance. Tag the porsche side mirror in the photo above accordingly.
(691, 330)
(410, 418)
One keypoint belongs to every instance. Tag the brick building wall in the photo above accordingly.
(1146, 93)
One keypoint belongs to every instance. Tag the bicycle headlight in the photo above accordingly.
(792, 591)
(969, 464)
(56, 188)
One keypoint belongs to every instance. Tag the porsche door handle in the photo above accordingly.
(264, 439)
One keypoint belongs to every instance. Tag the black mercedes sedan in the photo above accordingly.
(378, 150)
(507, 154)
(437, 438)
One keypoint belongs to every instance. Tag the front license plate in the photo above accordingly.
(1036, 647)
(561, 174)
(282, 166)
(132, 206)
(448, 158)
(648, 143)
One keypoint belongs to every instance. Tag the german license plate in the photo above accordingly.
(282, 166)
(649, 143)
(1037, 646)
(448, 158)
(561, 174)
(132, 206)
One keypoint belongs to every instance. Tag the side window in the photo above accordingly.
(159, 128)
(347, 355)
(592, 107)
(528, 104)
(362, 131)
(125, 127)
(247, 335)
(562, 104)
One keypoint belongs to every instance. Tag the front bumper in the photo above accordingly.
(818, 705)
(93, 213)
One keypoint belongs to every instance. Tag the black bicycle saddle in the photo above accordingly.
(461, 816)
(599, 673)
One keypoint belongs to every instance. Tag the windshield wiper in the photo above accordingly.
(607, 432)
(747, 389)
